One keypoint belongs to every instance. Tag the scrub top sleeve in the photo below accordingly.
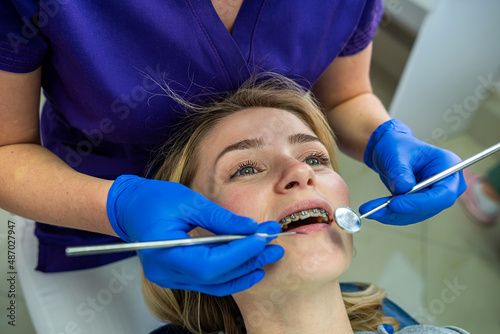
(366, 28)
(22, 46)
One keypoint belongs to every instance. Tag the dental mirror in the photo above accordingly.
(350, 222)
(347, 219)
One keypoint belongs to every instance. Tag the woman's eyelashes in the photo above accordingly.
(246, 168)
(317, 159)
(250, 167)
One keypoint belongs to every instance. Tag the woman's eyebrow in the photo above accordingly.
(300, 138)
(244, 144)
(253, 143)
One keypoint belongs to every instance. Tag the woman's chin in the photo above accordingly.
(308, 259)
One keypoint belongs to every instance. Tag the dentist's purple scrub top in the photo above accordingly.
(104, 115)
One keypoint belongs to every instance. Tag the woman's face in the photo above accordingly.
(267, 164)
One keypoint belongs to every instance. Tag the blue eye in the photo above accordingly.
(247, 168)
(312, 161)
(246, 171)
(317, 159)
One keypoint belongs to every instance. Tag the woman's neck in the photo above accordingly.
(310, 310)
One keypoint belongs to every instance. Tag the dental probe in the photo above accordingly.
(350, 222)
(132, 246)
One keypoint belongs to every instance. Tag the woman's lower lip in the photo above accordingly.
(309, 228)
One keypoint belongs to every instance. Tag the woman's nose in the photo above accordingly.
(296, 174)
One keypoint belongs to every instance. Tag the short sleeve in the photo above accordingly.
(366, 28)
(22, 46)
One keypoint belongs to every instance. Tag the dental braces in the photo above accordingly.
(304, 214)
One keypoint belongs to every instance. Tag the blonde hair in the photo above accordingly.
(202, 313)
(177, 155)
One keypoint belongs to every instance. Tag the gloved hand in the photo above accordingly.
(401, 160)
(149, 210)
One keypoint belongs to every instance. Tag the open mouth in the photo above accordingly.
(304, 217)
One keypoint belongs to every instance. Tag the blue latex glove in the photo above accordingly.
(401, 160)
(149, 210)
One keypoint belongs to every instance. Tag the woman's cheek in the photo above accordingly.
(340, 190)
(240, 202)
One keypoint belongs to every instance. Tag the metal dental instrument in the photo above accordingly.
(350, 222)
(116, 248)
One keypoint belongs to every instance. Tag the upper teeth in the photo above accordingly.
(304, 214)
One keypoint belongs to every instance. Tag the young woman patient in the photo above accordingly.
(266, 152)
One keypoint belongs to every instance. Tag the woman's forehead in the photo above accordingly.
(266, 122)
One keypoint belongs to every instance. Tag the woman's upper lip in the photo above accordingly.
(313, 203)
